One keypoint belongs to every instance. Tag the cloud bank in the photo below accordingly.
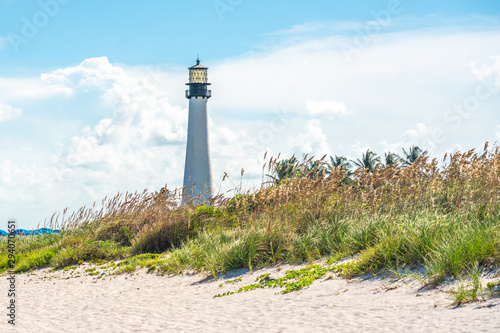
(8, 112)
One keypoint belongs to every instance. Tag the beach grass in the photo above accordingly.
(446, 218)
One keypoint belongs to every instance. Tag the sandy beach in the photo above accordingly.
(73, 301)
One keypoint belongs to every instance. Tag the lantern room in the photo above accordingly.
(198, 73)
(198, 82)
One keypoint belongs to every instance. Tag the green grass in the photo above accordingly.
(88, 251)
(469, 291)
(148, 260)
(36, 258)
(493, 289)
(444, 219)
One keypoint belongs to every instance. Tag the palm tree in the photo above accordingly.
(285, 169)
(368, 161)
(316, 169)
(344, 165)
(391, 159)
(412, 155)
(338, 161)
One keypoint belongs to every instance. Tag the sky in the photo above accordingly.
(92, 92)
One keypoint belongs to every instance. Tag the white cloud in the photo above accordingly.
(22, 89)
(454, 149)
(325, 107)
(393, 147)
(489, 76)
(233, 150)
(483, 71)
(319, 27)
(422, 135)
(91, 73)
(225, 136)
(298, 29)
(357, 149)
(311, 140)
(144, 133)
(392, 77)
(6, 171)
(8, 112)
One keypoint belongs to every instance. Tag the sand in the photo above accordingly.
(144, 302)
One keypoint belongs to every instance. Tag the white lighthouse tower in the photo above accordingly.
(198, 167)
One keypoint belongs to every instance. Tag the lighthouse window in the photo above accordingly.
(198, 76)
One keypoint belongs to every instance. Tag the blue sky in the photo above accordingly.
(137, 33)
(92, 92)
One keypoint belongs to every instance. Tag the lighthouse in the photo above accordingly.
(198, 166)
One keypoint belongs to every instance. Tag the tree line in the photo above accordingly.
(293, 168)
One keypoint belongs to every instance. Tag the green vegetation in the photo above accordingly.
(369, 161)
(493, 288)
(148, 260)
(471, 291)
(402, 212)
(233, 281)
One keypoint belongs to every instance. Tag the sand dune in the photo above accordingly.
(56, 302)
